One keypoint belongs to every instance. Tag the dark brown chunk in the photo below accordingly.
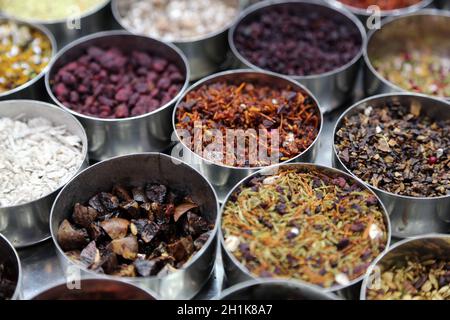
(139, 195)
(84, 216)
(156, 193)
(122, 193)
(109, 201)
(90, 255)
(70, 238)
(181, 249)
(125, 247)
(116, 228)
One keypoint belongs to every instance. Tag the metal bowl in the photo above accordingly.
(34, 88)
(27, 224)
(9, 257)
(409, 216)
(206, 54)
(235, 272)
(224, 177)
(332, 88)
(430, 25)
(138, 169)
(66, 30)
(432, 246)
(95, 289)
(275, 289)
(114, 137)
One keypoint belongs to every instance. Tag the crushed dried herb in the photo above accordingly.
(225, 105)
(414, 279)
(132, 232)
(382, 4)
(306, 224)
(397, 148)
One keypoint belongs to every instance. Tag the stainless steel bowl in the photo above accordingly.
(224, 177)
(138, 169)
(425, 29)
(35, 88)
(10, 258)
(27, 224)
(235, 272)
(206, 54)
(430, 246)
(95, 289)
(332, 88)
(114, 137)
(275, 289)
(409, 216)
(69, 29)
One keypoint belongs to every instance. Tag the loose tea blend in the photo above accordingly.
(222, 106)
(24, 53)
(416, 279)
(397, 148)
(7, 285)
(382, 4)
(177, 20)
(417, 70)
(304, 224)
(37, 157)
(135, 232)
(108, 83)
(297, 42)
(47, 10)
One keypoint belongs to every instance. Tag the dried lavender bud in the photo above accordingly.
(36, 158)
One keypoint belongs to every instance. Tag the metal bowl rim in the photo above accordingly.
(391, 249)
(386, 22)
(86, 13)
(217, 76)
(385, 13)
(83, 138)
(334, 288)
(120, 33)
(16, 293)
(267, 3)
(119, 19)
(192, 259)
(354, 108)
(46, 32)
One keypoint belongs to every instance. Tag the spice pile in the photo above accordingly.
(24, 53)
(398, 149)
(382, 4)
(223, 106)
(47, 10)
(418, 70)
(297, 42)
(305, 224)
(414, 280)
(37, 157)
(7, 285)
(108, 83)
(177, 20)
(138, 232)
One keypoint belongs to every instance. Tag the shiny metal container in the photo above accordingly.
(138, 169)
(224, 177)
(430, 246)
(78, 25)
(95, 289)
(206, 54)
(10, 258)
(27, 224)
(332, 88)
(236, 273)
(35, 88)
(114, 137)
(409, 216)
(275, 289)
(425, 29)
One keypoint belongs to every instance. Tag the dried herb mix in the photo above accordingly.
(37, 157)
(109, 83)
(397, 148)
(24, 53)
(305, 224)
(382, 4)
(225, 105)
(288, 40)
(7, 283)
(414, 279)
(134, 232)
